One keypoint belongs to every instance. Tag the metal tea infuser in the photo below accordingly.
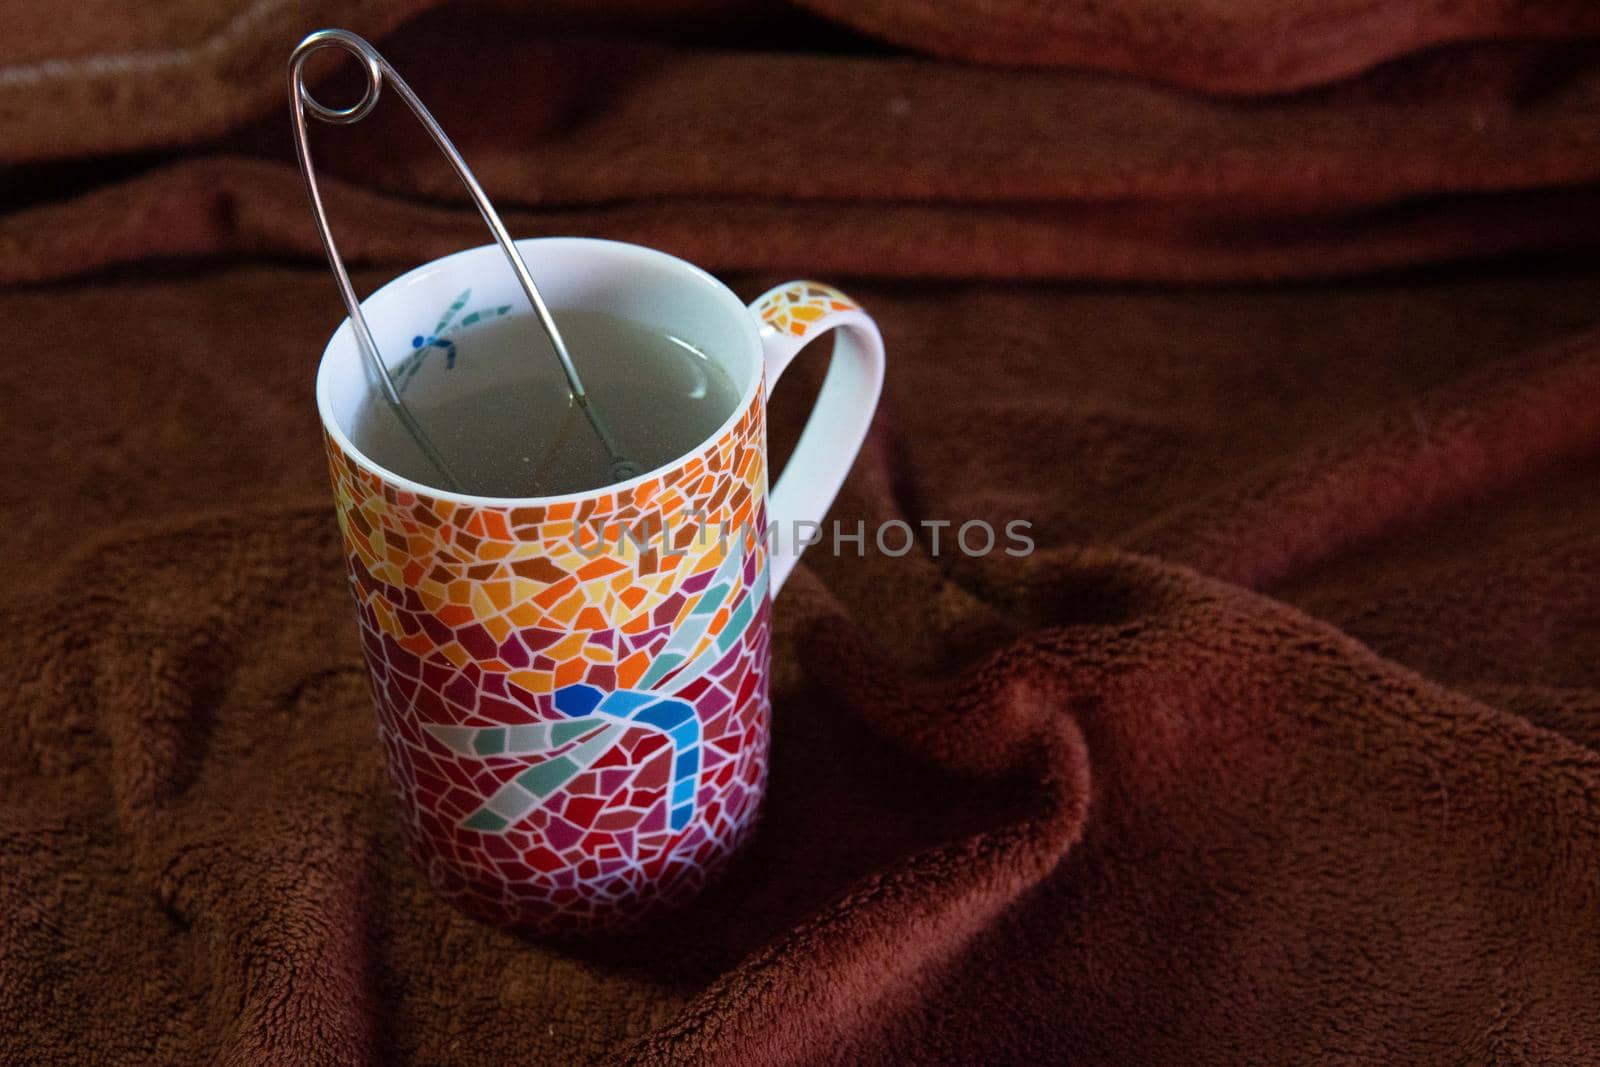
(378, 70)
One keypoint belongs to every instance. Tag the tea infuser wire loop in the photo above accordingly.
(378, 70)
(357, 47)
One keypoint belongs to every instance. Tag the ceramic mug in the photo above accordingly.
(575, 716)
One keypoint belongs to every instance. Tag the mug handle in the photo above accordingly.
(791, 316)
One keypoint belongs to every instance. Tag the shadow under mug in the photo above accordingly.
(572, 691)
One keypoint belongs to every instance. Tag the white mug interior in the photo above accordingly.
(642, 285)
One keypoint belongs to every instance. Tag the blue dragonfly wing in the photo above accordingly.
(722, 590)
(521, 795)
(451, 311)
(522, 739)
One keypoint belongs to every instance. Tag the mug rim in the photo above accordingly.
(344, 333)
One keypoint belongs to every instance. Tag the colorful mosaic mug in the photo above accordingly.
(572, 691)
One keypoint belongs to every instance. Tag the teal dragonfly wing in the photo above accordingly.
(592, 720)
(421, 345)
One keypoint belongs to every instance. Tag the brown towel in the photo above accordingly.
(1282, 747)
(846, 164)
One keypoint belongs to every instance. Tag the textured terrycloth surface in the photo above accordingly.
(1284, 746)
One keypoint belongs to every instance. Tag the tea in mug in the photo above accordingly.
(495, 402)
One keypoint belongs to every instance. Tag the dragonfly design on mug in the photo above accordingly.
(591, 721)
(423, 346)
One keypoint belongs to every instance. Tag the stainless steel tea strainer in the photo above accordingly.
(378, 71)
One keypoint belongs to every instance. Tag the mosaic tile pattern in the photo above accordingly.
(796, 307)
(575, 719)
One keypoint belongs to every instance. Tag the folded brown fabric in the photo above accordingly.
(710, 154)
(229, 207)
(1086, 805)
(93, 77)
(1261, 46)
